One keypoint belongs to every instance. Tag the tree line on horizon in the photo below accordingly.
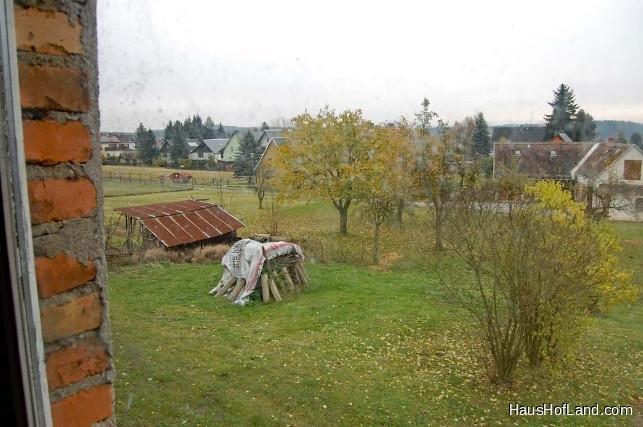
(471, 132)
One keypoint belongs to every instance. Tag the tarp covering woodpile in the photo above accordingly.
(184, 222)
(275, 266)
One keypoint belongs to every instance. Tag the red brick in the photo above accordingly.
(61, 273)
(53, 88)
(79, 315)
(75, 362)
(83, 408)
(58, 199)
(45, 31)
(48, 142)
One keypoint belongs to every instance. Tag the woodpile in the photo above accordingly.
(281, 276)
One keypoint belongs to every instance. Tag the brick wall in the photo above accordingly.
(56, 42)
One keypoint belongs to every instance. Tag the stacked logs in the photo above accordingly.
(280, 276)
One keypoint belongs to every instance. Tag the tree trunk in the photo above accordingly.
(342, 208)
(260, 195)
(376, 244)
(438, 228)
(400, 212)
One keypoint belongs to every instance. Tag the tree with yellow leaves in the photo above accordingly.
(326, 156)
(387, 178)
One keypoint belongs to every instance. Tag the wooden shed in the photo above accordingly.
(179, 224)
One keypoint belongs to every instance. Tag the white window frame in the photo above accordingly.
(17, 221)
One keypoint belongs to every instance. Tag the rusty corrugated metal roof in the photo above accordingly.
(183, 222)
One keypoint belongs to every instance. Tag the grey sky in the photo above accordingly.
(243, 62)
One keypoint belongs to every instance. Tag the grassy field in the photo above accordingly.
(153, 173)
(364, 345)
(360, 347)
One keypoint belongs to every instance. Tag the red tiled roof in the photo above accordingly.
(183, 222)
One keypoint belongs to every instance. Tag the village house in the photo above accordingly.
(538, 160)
(233, 147)
(209, 149)
(270, 140)
(606, 176)
(164, 151)
(112, 146)
(609, 180)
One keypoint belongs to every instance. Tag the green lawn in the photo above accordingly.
(359, 347)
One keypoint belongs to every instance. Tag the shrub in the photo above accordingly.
(155, 255)
(539, 269)
(209, 253)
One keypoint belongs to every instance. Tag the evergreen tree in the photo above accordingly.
(169, 131)
(140, 139)
(196, 128)
(563, 114)
(264, 126)
(151, 150)
(146, 150)
(637, 140)
(481, 137)
(178, 143)
(584, 128)
(209, 130)
(248, 155)
(221, 131)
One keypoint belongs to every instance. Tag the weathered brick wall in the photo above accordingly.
(58, 75)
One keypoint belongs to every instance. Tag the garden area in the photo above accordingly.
(364, 344)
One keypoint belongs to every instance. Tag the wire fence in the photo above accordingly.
(130, 183)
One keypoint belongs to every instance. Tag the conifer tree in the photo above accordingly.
(178, 143)
(481, 138)
(221, 131)
(564, 109)
(584, 128)
(145, 144)
(248, 155)
(209, 130)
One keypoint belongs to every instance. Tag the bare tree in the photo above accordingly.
(261, 178)
(602, 198)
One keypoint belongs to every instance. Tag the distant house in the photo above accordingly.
(209, 149)
(270, 140)
(521, 133)
(164, 151)
(609, 179)
(561, 137)
(232, 148)
(278, 136)
(112, 146)
(538, 160)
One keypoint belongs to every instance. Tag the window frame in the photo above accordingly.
(626, 169)
(17, 228)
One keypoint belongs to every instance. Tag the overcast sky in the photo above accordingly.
(243, 62)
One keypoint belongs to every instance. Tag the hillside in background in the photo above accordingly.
(612, 128)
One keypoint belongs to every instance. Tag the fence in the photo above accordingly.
(126, 183)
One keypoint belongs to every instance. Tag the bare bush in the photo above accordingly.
(155, 255)
(209, 253)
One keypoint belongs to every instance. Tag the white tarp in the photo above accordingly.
(245, 259)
